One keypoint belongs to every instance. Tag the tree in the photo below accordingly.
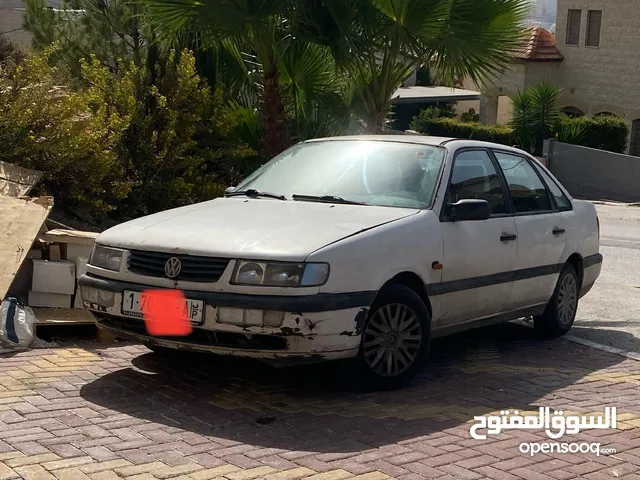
(535, 116)
(65, 133)
(381, 42)
(119, 145)
(256, 28)
(113, 31)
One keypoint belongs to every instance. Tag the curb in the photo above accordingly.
(588, 343)
(602, 347)
(615, 204)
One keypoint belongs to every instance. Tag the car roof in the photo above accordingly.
(454, 143)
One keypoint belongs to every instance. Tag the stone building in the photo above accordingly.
(594, 57)
(600, 42)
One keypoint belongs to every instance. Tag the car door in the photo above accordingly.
(478, 255)
(541, 230)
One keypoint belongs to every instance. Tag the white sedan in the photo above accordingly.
(361, 248)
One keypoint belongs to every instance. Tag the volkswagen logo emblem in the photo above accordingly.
(173, 267)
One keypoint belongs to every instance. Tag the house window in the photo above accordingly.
(573, 27)
(594, 21)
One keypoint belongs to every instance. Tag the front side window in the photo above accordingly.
(383, 173)
(475, 177)
(528, 193)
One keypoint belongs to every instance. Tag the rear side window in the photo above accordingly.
(475, 177)
(528, 193)
(561, 199)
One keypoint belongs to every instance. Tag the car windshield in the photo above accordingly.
(383, 173)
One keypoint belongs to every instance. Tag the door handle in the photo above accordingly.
(558, 231)
(508, 237)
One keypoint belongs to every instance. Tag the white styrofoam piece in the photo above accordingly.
(54, 277)
(49, 300)
(74, 251)
(81, 266)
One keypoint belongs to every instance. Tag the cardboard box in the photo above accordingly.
(49, 300)
(54, 253)
(54, 277)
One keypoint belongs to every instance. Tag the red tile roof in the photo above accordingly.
(539, 45)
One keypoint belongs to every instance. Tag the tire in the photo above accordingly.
(395, 340)
(560, 312)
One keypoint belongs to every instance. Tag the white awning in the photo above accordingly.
(433, 95)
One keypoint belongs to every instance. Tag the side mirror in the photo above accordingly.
(469, 210)
(229, 189)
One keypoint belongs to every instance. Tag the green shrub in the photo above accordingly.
(451, 127)
(605, 132)
(124, 145)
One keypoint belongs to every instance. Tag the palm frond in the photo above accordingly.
(477, 37)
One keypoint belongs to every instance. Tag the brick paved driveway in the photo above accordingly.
(121, 412)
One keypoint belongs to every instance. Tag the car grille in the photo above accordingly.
(194, 268)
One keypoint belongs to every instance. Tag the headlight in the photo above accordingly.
(280, 274)
(105, 257)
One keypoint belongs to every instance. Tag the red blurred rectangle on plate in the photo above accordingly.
(166, 313)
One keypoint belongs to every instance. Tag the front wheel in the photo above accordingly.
(395, 339)
(560, 312)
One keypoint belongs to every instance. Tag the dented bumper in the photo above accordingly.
(309, 328)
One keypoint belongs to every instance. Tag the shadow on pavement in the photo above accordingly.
(310, 408)
(598, 332)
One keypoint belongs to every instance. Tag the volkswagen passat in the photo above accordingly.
(361, 248)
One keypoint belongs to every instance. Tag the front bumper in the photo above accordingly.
(314, 327)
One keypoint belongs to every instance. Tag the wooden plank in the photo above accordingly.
(76, 237)
(17, 181)
(20, 221)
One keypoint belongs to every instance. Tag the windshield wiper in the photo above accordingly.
(252, 192)
(326, 199)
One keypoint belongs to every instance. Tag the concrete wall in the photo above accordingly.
(11, 17)
(539, 72)
(595, 174)
(604, 78)
(11, 26)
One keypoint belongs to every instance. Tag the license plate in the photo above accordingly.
(133, 304)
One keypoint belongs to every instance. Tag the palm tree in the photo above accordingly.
(376, 45)
(535, 116)
(257, 28)
(381, 42)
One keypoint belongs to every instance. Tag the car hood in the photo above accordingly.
(250, 228)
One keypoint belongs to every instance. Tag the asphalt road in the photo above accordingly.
(610, 313)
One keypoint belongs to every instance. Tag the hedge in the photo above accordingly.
(604, 132)
(451, 127)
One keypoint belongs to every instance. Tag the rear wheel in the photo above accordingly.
(560, 312)
(395, 339)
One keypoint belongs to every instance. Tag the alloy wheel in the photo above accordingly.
(567, 300)
(392, 340)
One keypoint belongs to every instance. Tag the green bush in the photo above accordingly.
(605, 132)
(124, 145)
(451, 127)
